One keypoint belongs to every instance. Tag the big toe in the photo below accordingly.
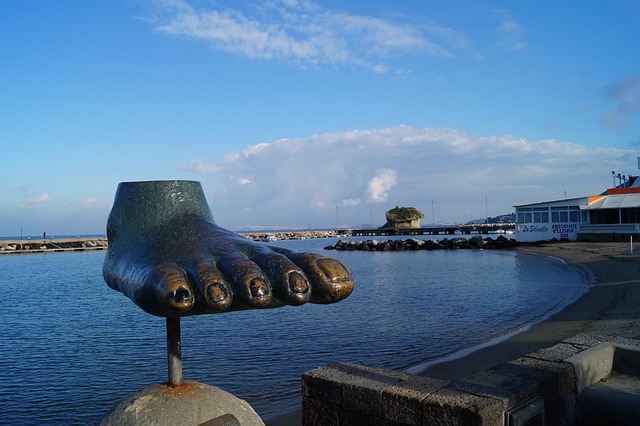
(330, 279)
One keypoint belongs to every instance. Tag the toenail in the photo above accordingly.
(298, 283)
(258, 288)
(217, 292)
(181, 295)
(332, 268)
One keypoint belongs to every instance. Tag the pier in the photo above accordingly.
(467, 228)
(51, 245)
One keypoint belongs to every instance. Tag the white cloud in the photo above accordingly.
(301, 32)
(303, 180)
(34, 202)
(378, 188)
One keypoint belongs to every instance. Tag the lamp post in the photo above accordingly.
(433, 213)
(486, 207)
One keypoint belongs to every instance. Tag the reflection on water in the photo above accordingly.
(72, 347)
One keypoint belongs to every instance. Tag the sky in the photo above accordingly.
(313, 114)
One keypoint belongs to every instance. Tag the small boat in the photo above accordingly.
(269, 238)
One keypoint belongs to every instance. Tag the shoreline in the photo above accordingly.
(610, 307)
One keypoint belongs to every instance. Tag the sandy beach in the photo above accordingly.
(611, 307)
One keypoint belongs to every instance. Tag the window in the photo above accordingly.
(631, 215)
(523, 215)
(565, 214)
(585, 216)
(540, 215)
(524, 218)
(574, 216)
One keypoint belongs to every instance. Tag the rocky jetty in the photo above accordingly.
(475, 242)
(293, 235)
(52, 245)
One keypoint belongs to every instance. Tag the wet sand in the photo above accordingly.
(611, 307)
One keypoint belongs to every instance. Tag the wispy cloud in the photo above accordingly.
(199, 166)
(34, 202)
(511, 32)
(625, 94)
(303, 33)
(24, 188)
(96, 203)
(302, 180)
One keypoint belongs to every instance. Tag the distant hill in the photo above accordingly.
(503, 218)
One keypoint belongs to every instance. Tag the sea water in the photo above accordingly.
(71, 347)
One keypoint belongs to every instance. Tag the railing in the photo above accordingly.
(616, 227)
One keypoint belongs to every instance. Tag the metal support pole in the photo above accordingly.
(174, 351)
(486, 207)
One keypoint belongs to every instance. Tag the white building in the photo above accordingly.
(613, 216)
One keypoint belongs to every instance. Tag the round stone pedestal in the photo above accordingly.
(191, 403)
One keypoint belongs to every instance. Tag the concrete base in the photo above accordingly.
(191, 403)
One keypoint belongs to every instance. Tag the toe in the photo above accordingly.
(214, 294)
(289, 283)
(249, 283)
(295, 288)
(330, 279)
(166, 292)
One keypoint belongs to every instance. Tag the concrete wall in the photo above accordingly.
(351, 394)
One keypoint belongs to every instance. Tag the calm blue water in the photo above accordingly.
(72, 348)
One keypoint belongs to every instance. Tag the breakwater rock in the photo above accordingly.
(475, 242)
(291, 235)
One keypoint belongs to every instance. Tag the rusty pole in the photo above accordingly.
(174, 351)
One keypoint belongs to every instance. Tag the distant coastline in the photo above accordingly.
(34, 244)
(65, 243)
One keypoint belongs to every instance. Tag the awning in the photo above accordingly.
(618, 201)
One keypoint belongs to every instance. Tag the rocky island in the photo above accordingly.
(403, 218)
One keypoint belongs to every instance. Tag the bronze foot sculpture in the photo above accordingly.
(169, 257)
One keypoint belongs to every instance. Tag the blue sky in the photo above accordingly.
(285, 109)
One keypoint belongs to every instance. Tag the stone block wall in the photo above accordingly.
(351, 394)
